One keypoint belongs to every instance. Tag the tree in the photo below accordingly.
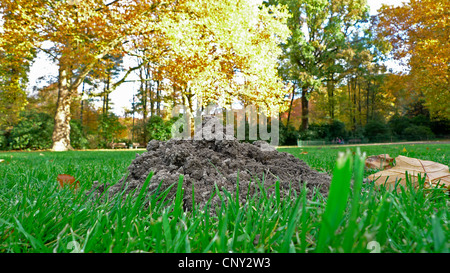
(109, 128)
(77, 35)
(13, 80)
(237, 47)
(113, 68)
(220, 56)
(418, 32)
(319, 30)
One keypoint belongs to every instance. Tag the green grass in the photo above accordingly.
(37, 216)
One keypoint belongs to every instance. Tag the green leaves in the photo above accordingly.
(34, 131)
(315, 51)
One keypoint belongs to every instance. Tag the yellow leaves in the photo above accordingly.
(73, 2)
(227, 43)
(199, 45)
(81, 35)
(420, 31)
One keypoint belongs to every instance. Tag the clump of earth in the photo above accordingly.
(220, 161)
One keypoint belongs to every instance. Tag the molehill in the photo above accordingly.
(204, 163)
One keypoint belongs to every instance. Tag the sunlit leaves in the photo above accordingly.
(225, 50)
(419, 31)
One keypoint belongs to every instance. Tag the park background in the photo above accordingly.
(376, 86)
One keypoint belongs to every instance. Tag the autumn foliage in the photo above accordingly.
(314, 62)
(217, 51)
(419, 33)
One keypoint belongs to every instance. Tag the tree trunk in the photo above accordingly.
(61, 131)
(158, 98)
(354, 104)
(350, 101)
(290, 106)
(82, 105)
(359, 104)
(367, 101)
(149, 86)
(373, 101)
(108, 81)
(330, 89)
(305, 109)
(145, 111)
(134, 111)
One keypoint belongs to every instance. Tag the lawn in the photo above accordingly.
(37, 216)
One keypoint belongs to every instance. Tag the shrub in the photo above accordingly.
(159, 129)
(421, 120)
(337, 129)
(93, 142)
(78, 139)
(34, 131)
(377, 130)
(288, 135)
(109, 128)
(398, 124)
(325, 131)
(441, 127)
(415, 132)
(316, 131)
(3, 141)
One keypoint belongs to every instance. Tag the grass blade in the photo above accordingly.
(337, 201)
(439, 236)
(178, 198)
(350, 233)
(293, 218)
(140, 199)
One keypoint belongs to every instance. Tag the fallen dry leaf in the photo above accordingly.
(434, 172)
(2, 160)
(404, 150)
(67, 180)
(380, 162)
(304, 153)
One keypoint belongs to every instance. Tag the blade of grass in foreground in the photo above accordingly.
(440, 242)
(337, 201)
(293, 218)
(140, 200)
(178, 198)
(351, 232)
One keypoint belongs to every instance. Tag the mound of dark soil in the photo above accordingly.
(205, 163)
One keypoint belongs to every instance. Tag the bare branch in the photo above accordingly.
(116, 84)
(109, 4)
